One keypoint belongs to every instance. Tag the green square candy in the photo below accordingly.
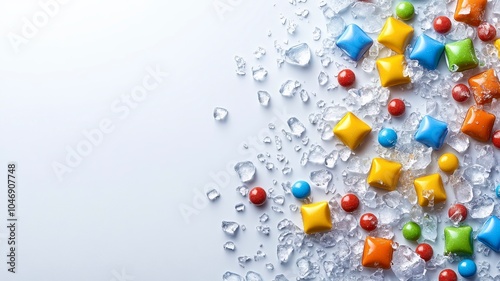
(460, 55)
(458, 240)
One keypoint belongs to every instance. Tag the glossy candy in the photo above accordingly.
(368, 221)
(470, 11)
(396, 107)
(460, 55)
(349, 202)
(405, 10)
(460, 92)
(486, 32)
(496, 139)
(354, 42)
(489, 234)
(431, 184)
(387, 137)
(395, 35)
(447, 275)
(316, 217)
(478, 124)
(391, 69)
(485, 86)
(346, 78)
(497, 46)
(467, 268)
(301, 189)
(384, 174)
(442, 24)
(448, 163)
(257, 196)
(497, 191)
(377, 253)
(457, 212)
(458, 240)
(351, 130)
(427, 51)
(411, 231)
(425, 251)
(431, 132)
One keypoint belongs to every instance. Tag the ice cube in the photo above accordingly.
(289, 88)
(296, 126)
(321, 178)
(298, 55)
(259, 73)
(230, 227)
(213, 194)
(245, 170)
(220, 113)
(264, 98)
(230, 276)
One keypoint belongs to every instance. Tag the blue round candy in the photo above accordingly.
(497, 191)
(387, 137)
(467, 268)
(301, 189)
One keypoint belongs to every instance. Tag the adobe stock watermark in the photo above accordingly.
(222, 7)
(221, 179)
(120, 109)
(121, 276)
(47, 10)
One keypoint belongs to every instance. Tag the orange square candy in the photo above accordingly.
(485, 86)
(478, 124)
(470, 11)
(377, 253)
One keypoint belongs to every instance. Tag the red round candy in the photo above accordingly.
(346, 77)
(496, 139)
(257, 195)
(457, 212)
(448, 275)
(442, 24)
(486, 31)
(396, 107)
(349, 202)
(368, 222)
(425, 251)
(460, 92)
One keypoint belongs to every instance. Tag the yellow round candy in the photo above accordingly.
(448, 162)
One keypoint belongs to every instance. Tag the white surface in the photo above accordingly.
(118, 211)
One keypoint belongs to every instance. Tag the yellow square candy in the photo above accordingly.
(384, 174)
(351, 130)
(395, 35)
(497, 46)
(390, 71)
(316, 217)
(429, 186)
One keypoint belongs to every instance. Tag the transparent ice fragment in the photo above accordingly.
(230, 276)
(322, 78)
(263, 229)
(260, 52)
(429, 227)
(243, 260)
(259, 73)
(230, 246)
(220, 113)
(458, 141)
(321, 178)
(307, 269)
(243, 190)
(289, 88)
(269, 266)
(298, 55)
(245, 170)
(264, 217)
(317, 154)
(253, 276)
(279, 199)
(264, 98)
(259, 256)
(230, 227)
(481, 206)
(316, 34)
(240, 65)
(240, 207)
(341, 5)
(296, 126)
(213, 194)
(335, 26)
(476, 174)
(406, 264)
(304, 96)
(280, 277)
(284, 252)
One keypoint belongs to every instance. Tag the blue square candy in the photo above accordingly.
(490, 234)
(354, 42)
(427, 51)
(431, 132)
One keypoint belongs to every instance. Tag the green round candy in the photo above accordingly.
(405, 10)
(411, 231)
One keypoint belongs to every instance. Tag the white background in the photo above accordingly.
(116, 215)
